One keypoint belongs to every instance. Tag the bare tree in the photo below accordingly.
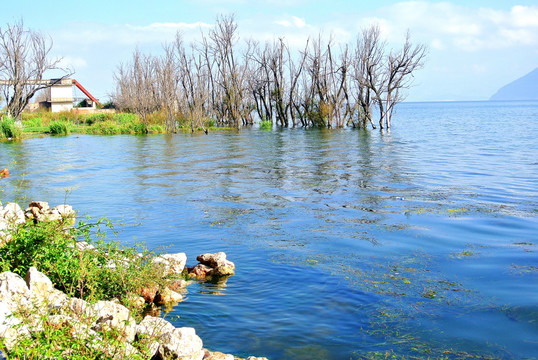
(397, 76)
(323, 85)
(167, 78)
(24, 59)
(231, 78)
(367, 65)
(136, 84)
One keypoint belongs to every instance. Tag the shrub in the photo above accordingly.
(125, 118)
(99, 117)
(109, 105)
(102, 271)
(155, 129)
(266, 124)
(209, 123)
(59, 128)
(10, 129)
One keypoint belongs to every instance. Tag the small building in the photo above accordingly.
(59, 97)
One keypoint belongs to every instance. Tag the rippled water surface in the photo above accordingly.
(348, 244)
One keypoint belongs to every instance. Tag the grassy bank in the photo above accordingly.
(64, 123)
(106, 123)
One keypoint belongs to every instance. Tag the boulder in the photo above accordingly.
(11, 335)
(221, 266)
(78, 307)
(56, 300)
(39, 211)
(153, 327)
(7, 319)
(38, 283)
(13, 213)
(170, 264)
(167, 296)
(200, 271)
(182, 344)
(42, 292)
(148, 293)
(112, 316)
(51, 215)
(65, 211)
(40, 205)
(212, 260)
(216, 355)
(12, 286)
(179, 284)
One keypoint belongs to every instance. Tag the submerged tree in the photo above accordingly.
(323, 85)
(24, 59)
(396, 76)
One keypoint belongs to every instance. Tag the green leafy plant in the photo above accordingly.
(102, 269)
(59, 128)
(266, 124)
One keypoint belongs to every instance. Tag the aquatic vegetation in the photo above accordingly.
(266, 124)
(523, 269)
(463, 254)
(59, 128)
(457, 211)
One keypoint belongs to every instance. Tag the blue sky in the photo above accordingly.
(475, 46)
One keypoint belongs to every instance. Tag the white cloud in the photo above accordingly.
(72, 62)
(284, 23)
(166, 27)
(524, 16)
(300, 23)
(291, 21)
(470, 29)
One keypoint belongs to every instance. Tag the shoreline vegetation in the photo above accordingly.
(69, 291)
(97, 123)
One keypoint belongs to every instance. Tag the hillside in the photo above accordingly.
(524, 88)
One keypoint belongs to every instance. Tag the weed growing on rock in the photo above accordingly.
(81, 261)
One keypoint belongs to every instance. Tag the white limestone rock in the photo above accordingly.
(170, 264)
(112, 316)
(181, 344)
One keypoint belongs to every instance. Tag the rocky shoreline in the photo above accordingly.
(30, 306)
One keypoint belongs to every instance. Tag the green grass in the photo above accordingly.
(105, 123)
(9, 129)
(59, 128)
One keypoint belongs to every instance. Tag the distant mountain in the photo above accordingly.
(524, 88)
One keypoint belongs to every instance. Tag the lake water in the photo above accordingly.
(421, 242)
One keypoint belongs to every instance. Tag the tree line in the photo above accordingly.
(323, 85)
